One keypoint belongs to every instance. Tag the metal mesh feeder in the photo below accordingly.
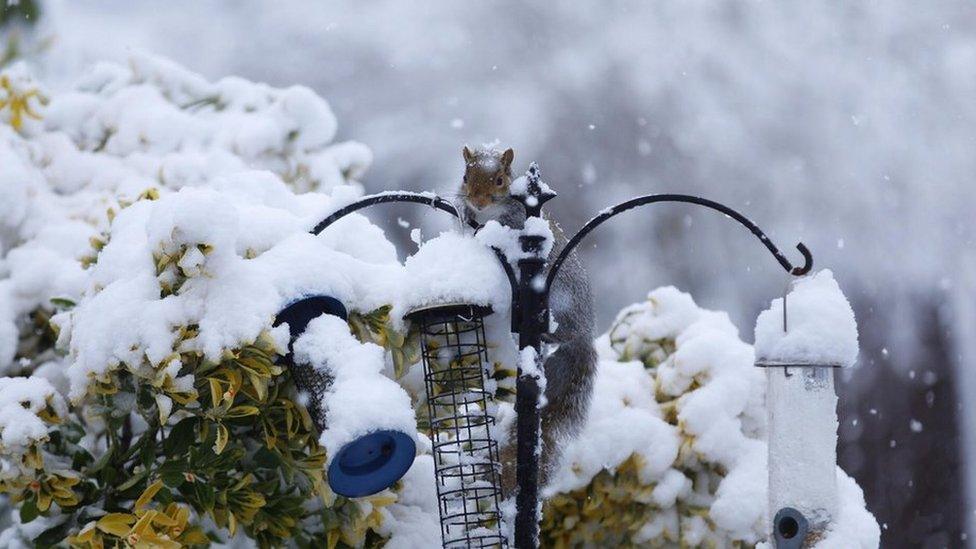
(366, 462)
(466, 463)
(311, 381)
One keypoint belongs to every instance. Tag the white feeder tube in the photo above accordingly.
(802, 423)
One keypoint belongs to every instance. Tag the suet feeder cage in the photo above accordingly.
(466, 462)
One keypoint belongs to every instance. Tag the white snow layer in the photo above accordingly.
(455, 268)
(820, 325)
(21, 400)
(360, 399)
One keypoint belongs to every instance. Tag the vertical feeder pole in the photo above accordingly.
(534, 309)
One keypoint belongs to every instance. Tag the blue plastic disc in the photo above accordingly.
(371, 463)
(302, 311)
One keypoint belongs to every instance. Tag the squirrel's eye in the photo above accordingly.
(498, 181)
(465, 178)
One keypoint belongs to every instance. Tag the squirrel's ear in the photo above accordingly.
(468, 155)
(507, 157)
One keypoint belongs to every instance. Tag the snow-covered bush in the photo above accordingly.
(128, 131)
(151, 226)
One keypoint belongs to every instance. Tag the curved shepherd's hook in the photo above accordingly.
(428, 199)
(654, 198)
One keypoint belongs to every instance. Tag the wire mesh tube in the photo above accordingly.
(365, 461)
(466, 462)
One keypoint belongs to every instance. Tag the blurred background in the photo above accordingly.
(848, 126)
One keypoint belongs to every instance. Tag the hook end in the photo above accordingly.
(807, 261)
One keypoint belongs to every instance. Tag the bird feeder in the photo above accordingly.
(800, 352)
(370, 461)
(801, 415)
(467, 468)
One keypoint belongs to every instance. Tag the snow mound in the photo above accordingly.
(820, 325)
(455, 268)
(28, 407)
(675, 423)
(360, 399)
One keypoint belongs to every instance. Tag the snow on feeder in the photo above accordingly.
(800, 340)
(366, 432)
(466, 461)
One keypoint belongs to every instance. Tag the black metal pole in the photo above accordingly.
(429, 199)
(534, 313)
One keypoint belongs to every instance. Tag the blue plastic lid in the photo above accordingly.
(371, 463)
(302, 311)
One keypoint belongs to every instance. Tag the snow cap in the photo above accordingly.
(820, 325)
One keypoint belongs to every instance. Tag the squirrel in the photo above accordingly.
(569, 369)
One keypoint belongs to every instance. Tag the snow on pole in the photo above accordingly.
(365, 420)
(800, 340)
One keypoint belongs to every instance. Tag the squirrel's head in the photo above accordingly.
(487, 175)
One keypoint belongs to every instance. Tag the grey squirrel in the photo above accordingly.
(571, 367)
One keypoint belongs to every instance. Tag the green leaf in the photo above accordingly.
(242, 411)
(172, 472)
(108, 475)
(181, 436)
(53, 536)
(133, 480)
(101, 462)
(165, 496)
(223, 437)
(29, 510)
(80, 458)
(205, 496)
(62, 303)
(266, 459)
